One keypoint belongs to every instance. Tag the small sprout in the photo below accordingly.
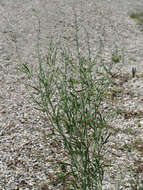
(116, 58)
(138, 16)
(141, 20)
(55, 166)
(139, 124)
(132, 59)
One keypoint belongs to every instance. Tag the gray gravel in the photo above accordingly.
(21, 130)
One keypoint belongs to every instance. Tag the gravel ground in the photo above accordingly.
(26, 156)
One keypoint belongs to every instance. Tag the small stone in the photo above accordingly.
(44, 186)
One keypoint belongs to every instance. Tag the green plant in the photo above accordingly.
(139, 124)
(71, 92)
(116, 57)
(138, 16)
(133, 59)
